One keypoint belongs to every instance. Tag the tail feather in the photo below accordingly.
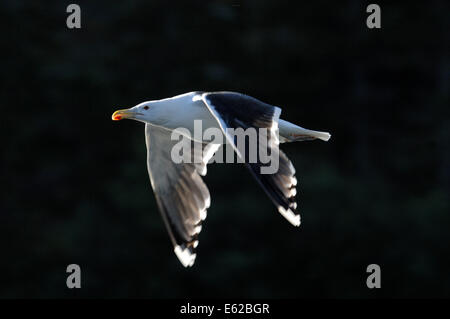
(292, 133)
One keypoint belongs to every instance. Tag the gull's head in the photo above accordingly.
(140, 112)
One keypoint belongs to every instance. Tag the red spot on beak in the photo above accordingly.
(117, 115)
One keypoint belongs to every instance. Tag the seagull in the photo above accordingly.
(181, 195)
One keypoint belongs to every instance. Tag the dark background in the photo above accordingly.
(75, 187)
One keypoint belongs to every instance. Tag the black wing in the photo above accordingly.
(235, 110)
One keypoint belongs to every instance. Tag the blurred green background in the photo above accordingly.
(75, 187)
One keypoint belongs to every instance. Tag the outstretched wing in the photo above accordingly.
(235, 110)
(180, 192)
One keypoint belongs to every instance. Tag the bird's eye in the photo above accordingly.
(146, 107)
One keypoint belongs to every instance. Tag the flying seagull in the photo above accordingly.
(180, 192)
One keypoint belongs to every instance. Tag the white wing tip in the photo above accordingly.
(186, 258)
(292, 192)
(207, 202)
(198, 229)
(293, 181)
(203, 214)
(290, 216)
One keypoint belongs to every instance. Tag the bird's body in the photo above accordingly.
(163, 113)
(179, 189)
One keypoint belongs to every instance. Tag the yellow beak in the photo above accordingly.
(122, 114)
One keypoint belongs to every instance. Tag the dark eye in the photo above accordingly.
(146, 107)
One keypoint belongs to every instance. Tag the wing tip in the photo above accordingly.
(290, 216)
(185, 255)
